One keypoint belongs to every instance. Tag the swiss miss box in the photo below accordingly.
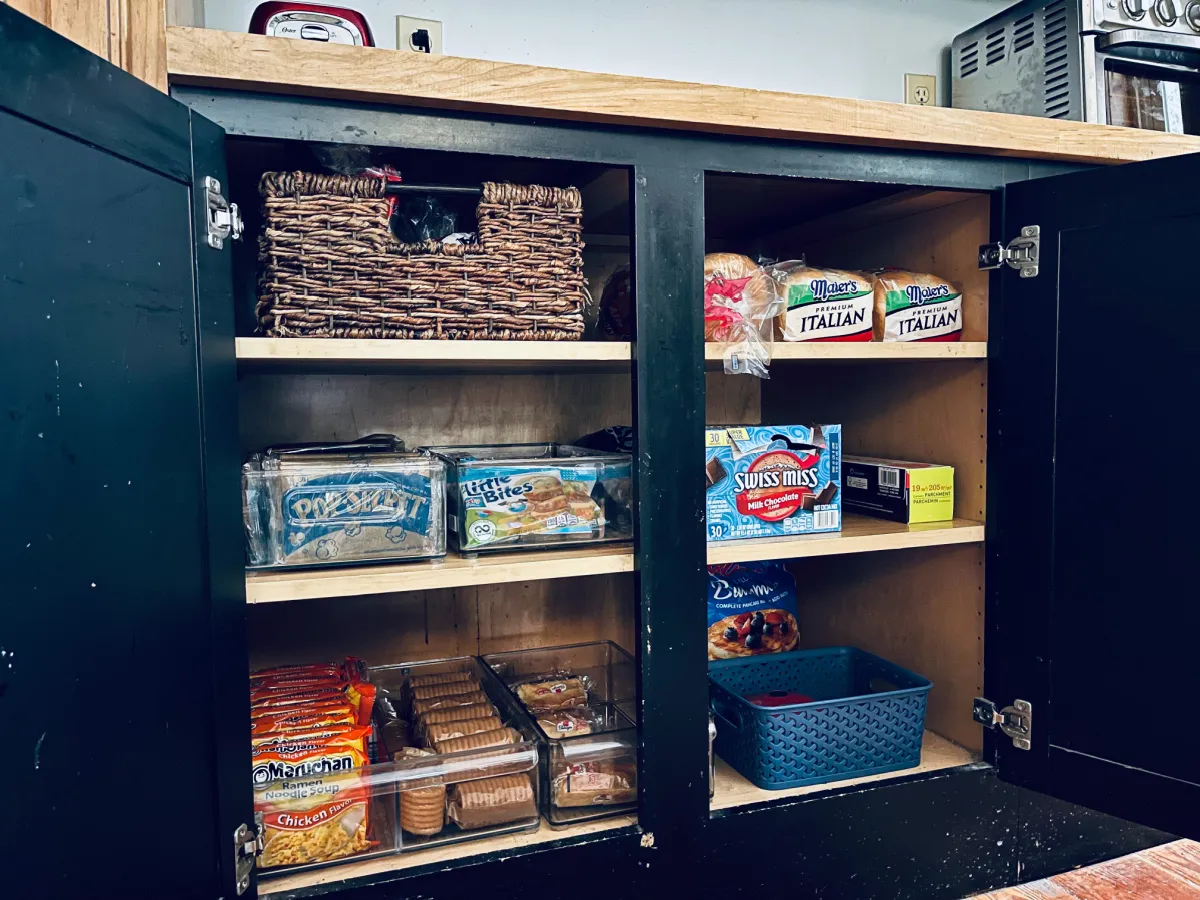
(772, 480)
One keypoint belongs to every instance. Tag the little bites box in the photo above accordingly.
(772, 480)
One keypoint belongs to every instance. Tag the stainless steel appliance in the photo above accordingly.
(1116, 62)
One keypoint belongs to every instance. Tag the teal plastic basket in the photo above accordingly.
(867, 716)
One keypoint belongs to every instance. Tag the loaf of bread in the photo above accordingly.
(914, 307)
(736, 290)
(824, 304)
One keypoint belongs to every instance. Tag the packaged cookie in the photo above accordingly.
(507, 495)
(494, 738)
(569, 722)
(492, 801)
(914, 307)
(553, 693)
(421, 707)
(444, 731)
(422, 810)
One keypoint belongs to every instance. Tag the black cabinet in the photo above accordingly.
(125, 630)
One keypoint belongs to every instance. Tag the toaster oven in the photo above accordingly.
(1113, 62)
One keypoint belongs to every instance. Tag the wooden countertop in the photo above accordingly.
(254, 62)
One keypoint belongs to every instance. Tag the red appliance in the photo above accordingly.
(312, 22)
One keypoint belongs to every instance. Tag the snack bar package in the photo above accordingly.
(506, 495)
(823, 304)
(751, 610)
(771, 480)
(740, 304)
(913, 307)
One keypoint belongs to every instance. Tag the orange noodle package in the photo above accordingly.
(312, 798)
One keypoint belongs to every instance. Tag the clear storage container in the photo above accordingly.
(308, 506)
(580, 698)
(461, 778)
(506, 496)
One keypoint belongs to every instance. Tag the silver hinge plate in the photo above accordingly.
(1020, 254)
(1016, 721)
(224, 218)
(247, 844)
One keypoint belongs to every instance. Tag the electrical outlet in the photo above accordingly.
(419, 35)
(920, 90)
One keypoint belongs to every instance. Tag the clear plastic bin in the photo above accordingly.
(508, 496)
(587, 772)
(304, 507)
(465, 794)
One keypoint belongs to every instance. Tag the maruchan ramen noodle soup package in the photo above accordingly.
(751, 610)
(824, 304)
(914, 307)
(313, 803)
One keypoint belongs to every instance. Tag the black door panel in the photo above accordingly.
(1093, 388)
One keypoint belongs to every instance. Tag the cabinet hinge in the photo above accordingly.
(224, 218)
(247, 844)
(1016, 721)
(1020, 253)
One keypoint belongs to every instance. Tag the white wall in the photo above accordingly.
(843, 48)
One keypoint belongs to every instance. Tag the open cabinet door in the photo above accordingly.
(1094, 386)
(122, 659)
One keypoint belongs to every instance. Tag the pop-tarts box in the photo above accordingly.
(772, 480)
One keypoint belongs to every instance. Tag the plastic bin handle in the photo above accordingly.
(729, 718)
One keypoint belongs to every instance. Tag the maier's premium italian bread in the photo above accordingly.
(824, 304)
(736, 290)
(912, 307)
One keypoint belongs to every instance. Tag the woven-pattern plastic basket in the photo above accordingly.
(867, 716)
(329, 265)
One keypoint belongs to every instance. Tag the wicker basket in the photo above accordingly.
(329, 265)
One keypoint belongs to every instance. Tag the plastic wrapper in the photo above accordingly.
(740, 306)
(595, 739)
(505, 495)
(569, 722)
(492, 801)
(423, 217)
(334, 504)
(615, 319)
(422, 810)
(913, 307)
(495, 738)
(595, 783)
(823, 304)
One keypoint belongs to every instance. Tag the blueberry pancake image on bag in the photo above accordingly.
(751, 610)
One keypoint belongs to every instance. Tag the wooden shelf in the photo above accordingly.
(733, 790)
(251, 62)
(452, 572)
(859, 534)
(817, 351)
(397, 355)
(439, 856)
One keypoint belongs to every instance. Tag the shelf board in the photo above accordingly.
(439, 856)
(451, 572)
(859, 534)
(818, 351)
(733, 790)
(341, 354)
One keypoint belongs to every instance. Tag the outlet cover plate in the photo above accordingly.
(406, 25)
(920, 90)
